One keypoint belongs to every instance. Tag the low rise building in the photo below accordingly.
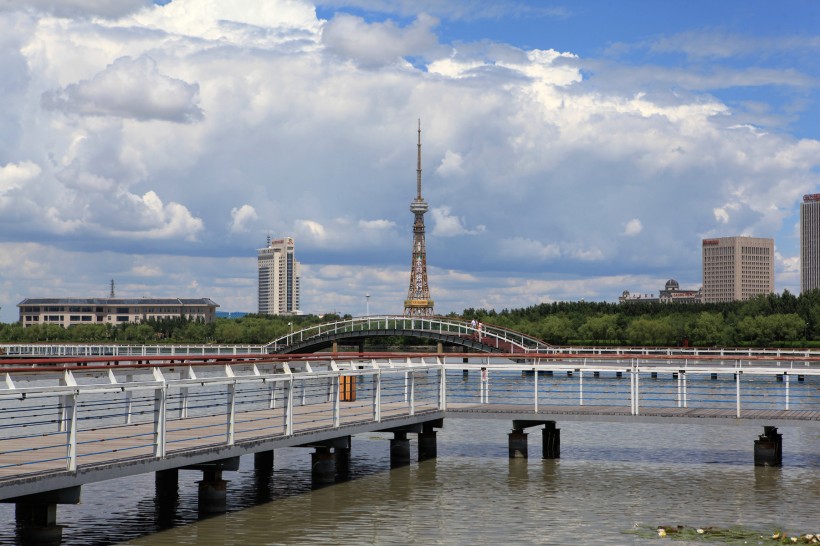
(67, 312)
(671, 293)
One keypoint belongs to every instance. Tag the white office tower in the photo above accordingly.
(810, 242)
(278, 278)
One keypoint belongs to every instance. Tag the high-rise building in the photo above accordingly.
(810, 242)
(278, 278)
(737, 268)
(418, 302)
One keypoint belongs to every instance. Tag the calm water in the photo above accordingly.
(610, 478)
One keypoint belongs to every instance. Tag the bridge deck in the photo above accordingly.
(620, 413)
(123, 443)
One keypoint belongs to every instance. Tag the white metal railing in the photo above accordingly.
(125, 350)
(59, 419)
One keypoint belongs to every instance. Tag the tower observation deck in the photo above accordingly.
(418, 302)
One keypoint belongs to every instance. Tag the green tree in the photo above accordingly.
(709, 328)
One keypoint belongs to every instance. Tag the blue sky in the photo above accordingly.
(571, 150)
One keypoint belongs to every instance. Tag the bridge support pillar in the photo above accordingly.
(36, 516)
(399, 449)
(37, 524)
(518, 444)
(322, 466)
(769, 448)
(166, 483)
(263, 461)
(335, 348)
(428, 449)
(342, 461)
(440, 347)
(213, 492)
(550, 441)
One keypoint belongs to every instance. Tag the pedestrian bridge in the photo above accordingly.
(444, 331)
(69, 422)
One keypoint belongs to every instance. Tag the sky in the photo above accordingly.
(570, 150)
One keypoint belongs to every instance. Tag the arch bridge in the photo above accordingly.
(444, 331)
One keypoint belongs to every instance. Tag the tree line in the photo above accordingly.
(775, 320)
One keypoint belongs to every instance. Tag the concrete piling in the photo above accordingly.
(427, 445)
(212, 492)
(399, 449)
(517, 440)
(768, 449)
(323, 466)
(550, 441)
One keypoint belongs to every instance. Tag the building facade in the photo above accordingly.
(418, 302)
(810, 242)
(671, 293)
(67, 312)
(737, 268)
(278, 271)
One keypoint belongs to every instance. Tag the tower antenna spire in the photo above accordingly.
(418, 166)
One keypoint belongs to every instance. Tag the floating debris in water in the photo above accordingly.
(725, 535)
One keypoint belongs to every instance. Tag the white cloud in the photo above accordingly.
(241, 217)
(130, 88)
(14, 176)
(447, 225)
(313, 231)
(721, 215)
(153, 219)
(633, 227)
(376, 43)
(451, 165)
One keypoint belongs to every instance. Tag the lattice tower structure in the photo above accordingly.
(418, 302)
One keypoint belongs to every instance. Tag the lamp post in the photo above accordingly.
(367, 305)
(291, 332)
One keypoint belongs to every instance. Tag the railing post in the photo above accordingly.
(412, 393)
(160, 408)
(377, 397)
(129, 402)
(442, 396)
(680, 391)
(337, 388)
(230, 414)
(580, 387)
(682, 375)
(786, 384)
(289, 408)
(535, 394)
(737, 381)
(71, 432)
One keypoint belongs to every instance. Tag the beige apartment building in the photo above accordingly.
(737, 268)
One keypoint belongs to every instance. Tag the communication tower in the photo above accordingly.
(418, 302)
